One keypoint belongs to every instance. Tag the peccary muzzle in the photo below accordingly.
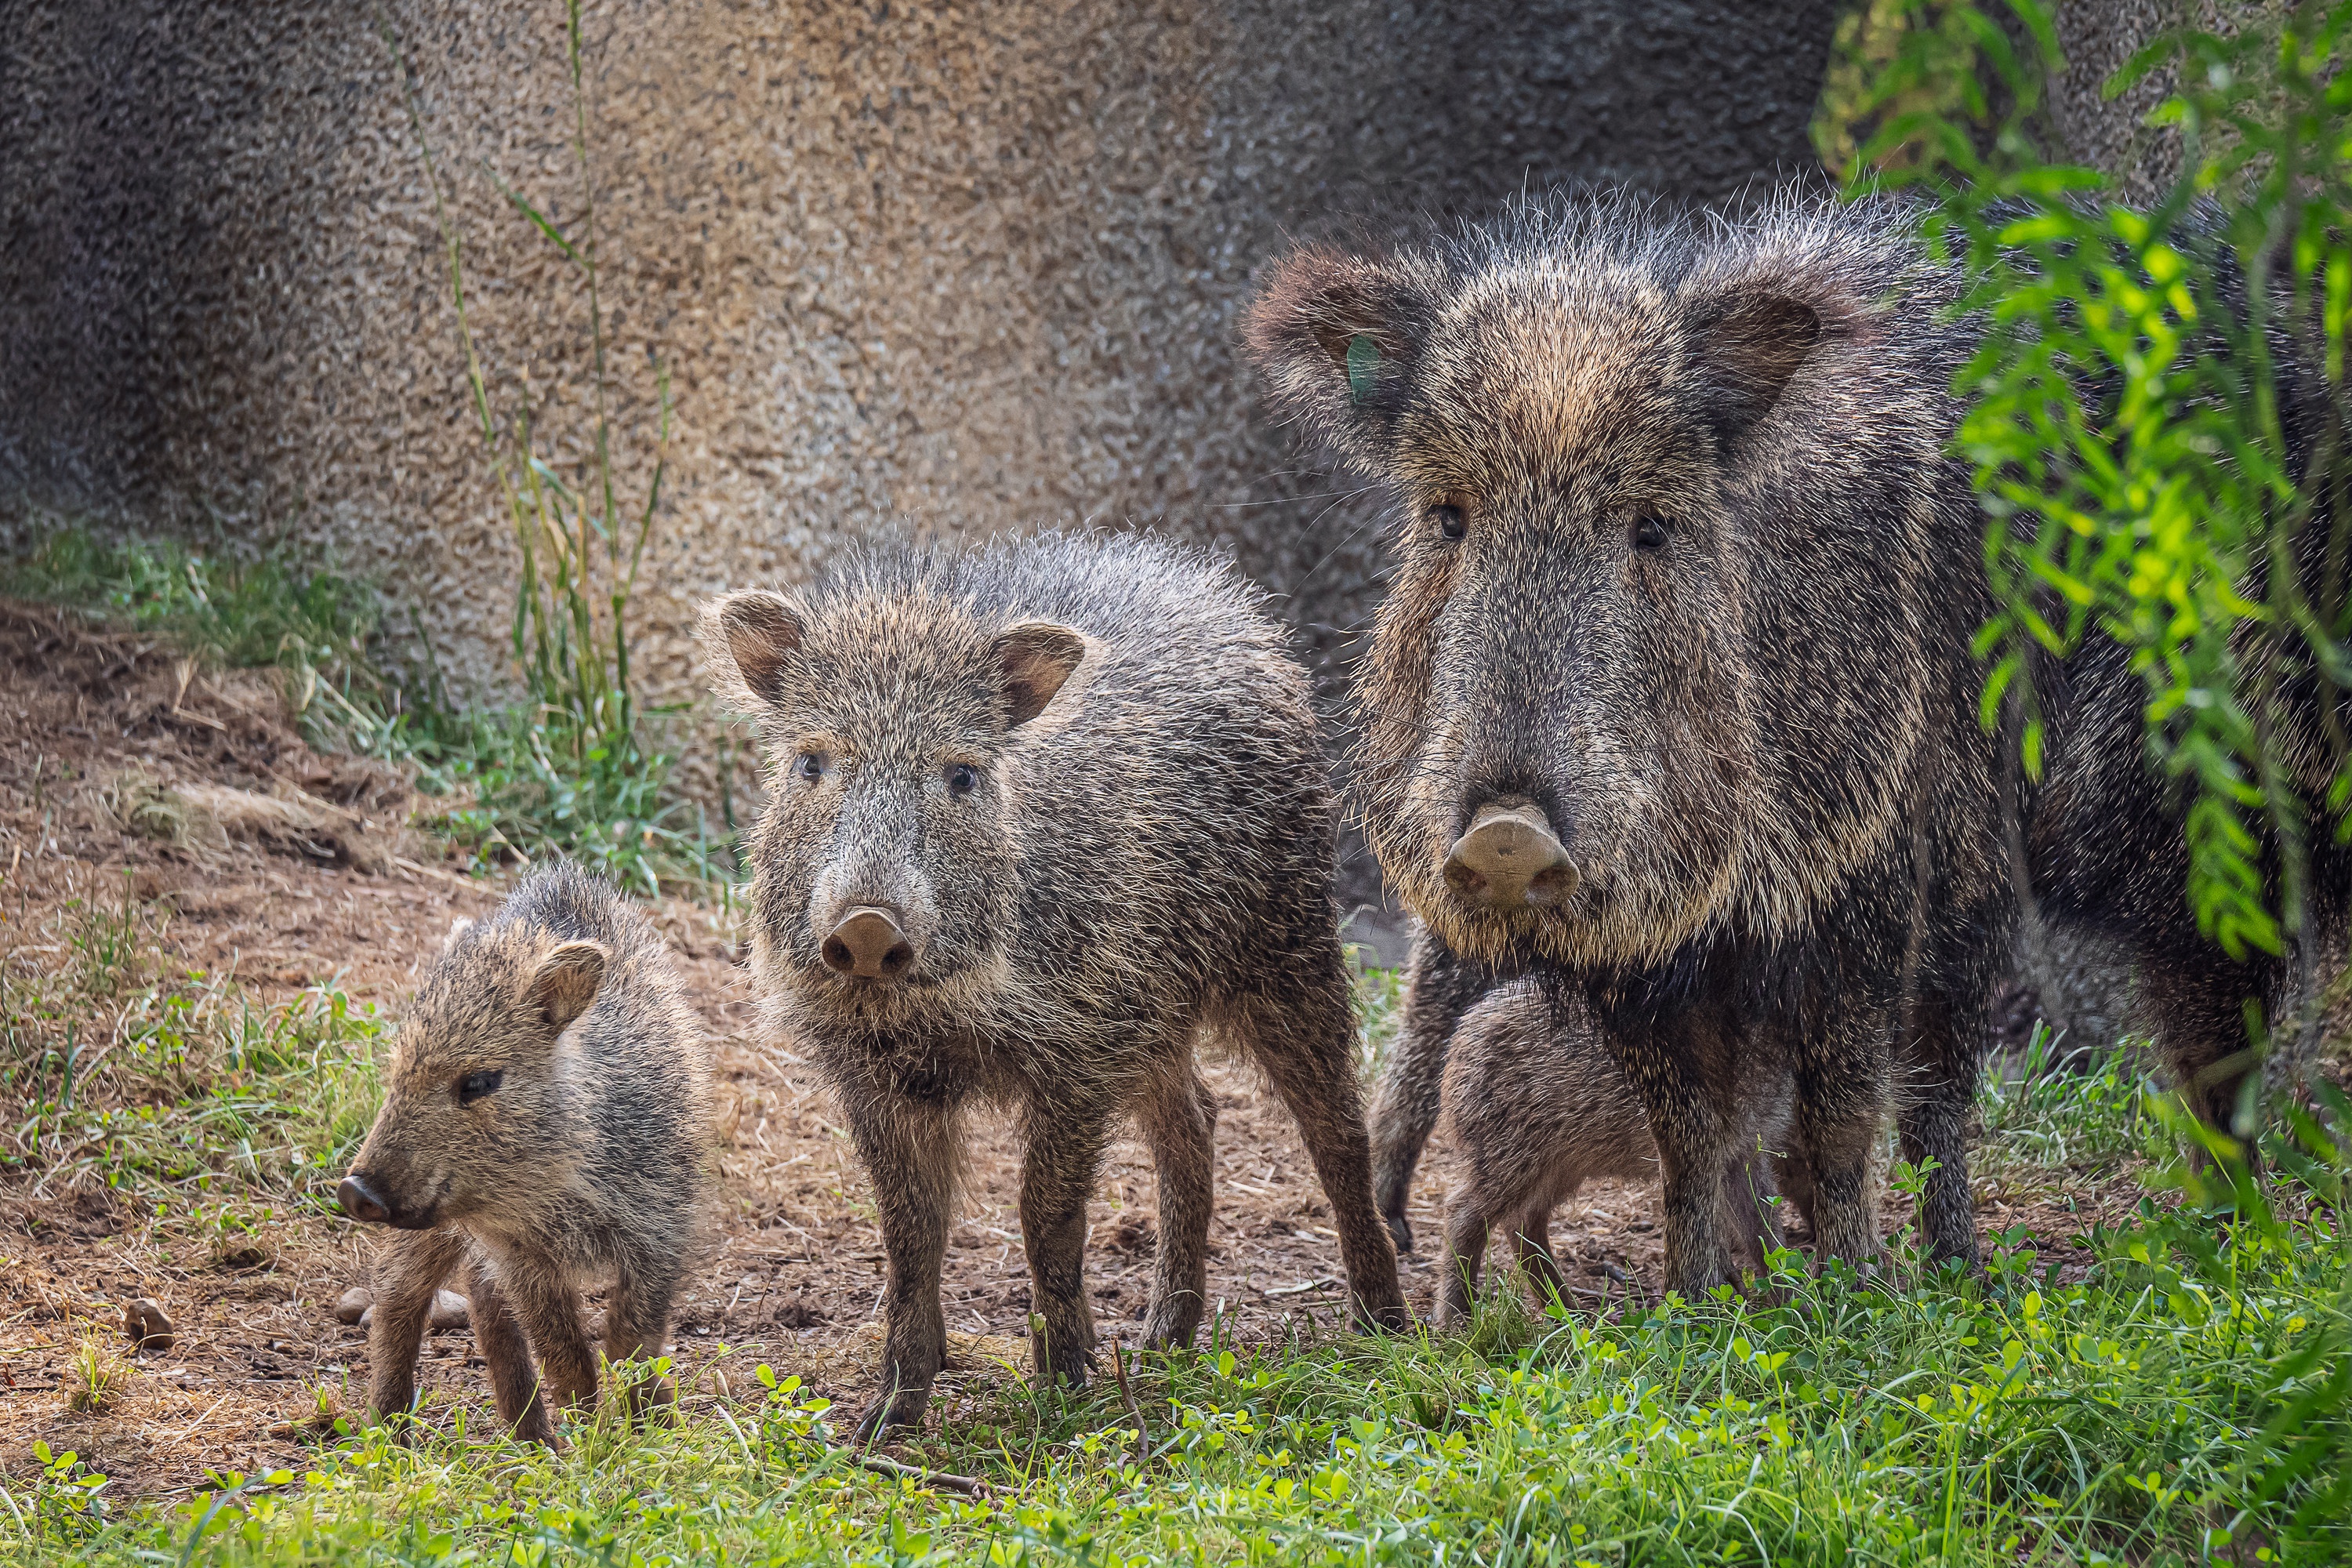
(1510, 856)
(868, 943)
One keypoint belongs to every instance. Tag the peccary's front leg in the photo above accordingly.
(549, 1309)
(1697, 1143)
(1468, 1228)
(1057, 1176)
(1302, 1030)
(637, 1324)
(411, 1269)
(1179, 1120)
(1934, 1125)
(1439, 989)
(498, 1336)
(1842, 1091)
(909, 1149)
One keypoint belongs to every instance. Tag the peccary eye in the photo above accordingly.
(962, 778)
(1649, 532)
(1451, 522)
(474, 1085)
(810, 765)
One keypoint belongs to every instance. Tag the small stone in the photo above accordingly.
(368, 1317)
(449, 1310)
(144, 1321)
(354, 1305)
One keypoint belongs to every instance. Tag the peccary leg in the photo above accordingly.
(637, 1324)
(1535, 1260)
(407, 1275)
(1748, 1192)
(909, 1149)
(1305, 1037)
(1841, 1105)
(2197, 999)
(1439, 989)
(1179, 1119)
(1467, 1227)
(1697, 1144)
(1057, 1178)
(1934, 1125)
(550, 1310)
(498, 1336)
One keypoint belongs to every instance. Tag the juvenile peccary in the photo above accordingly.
(1538, 1107)
(1673, 694)
(1042, 814)
(543, 1131)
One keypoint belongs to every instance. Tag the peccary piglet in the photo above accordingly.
(543, 1131)
(1042, 814)
(1538, 1107)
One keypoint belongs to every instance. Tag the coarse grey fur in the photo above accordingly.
(1076, 785)
(1538, 1108)
(581, 1163)
(1687, 573)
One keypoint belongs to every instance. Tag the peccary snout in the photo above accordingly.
(360, 1200)
(869, 943)
(1508, 858)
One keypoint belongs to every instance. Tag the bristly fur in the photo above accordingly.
(1757, 735)
(584, 1165)
(1143, 848)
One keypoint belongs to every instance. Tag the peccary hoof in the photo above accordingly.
(891, 1413)
(1400, 1231)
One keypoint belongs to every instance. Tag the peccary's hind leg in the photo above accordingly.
(909, 1146)
(1057, 1176)
(1179, 1120)
(409, 1272)
(1301, 1029)
(1934, 1123)
(636, 1325)
(2197, 998)
(1467, 1227)
(1535, 1260)
(498, 1336)
(1439, 989)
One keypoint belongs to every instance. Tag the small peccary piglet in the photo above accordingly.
(1043, 814)
(543, 1131)
(1538, 1107)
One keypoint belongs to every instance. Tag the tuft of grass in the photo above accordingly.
(2068, 1110)
(94, 1374)
(174, 1087)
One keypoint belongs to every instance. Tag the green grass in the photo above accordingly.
(516, 782)
(177, 1089)
(2189, 1400)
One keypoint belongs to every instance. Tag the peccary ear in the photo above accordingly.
(565, 981)
(1036, 656)
(1745, 346)
(1335, 336)
(754, 634)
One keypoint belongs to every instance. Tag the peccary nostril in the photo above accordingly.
(361, 1203)
(868, 943)
(1509, 856)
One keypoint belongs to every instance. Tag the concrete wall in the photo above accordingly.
(973, 265)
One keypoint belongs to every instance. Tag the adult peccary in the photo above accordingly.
(542, 1130)
(1538, 1108)
(1042, 814)
(1674, 696)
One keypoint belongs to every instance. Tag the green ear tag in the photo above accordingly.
(1363, 367)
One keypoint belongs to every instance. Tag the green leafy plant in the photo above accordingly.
(2124, 410)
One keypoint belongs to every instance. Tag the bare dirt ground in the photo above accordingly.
(790, 1271)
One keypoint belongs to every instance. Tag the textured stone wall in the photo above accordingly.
(953, 267)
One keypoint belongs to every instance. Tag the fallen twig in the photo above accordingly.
(969, 1486)
(1118, 1373)
(1302, 1286)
